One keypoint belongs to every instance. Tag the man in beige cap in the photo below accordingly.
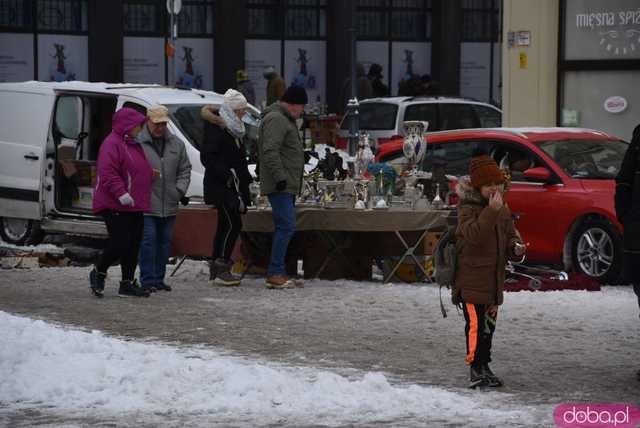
(172, 174)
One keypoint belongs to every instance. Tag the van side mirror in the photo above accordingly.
(539, 174)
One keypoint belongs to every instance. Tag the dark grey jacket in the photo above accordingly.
(175, 172)
(280, 151)
(627, 202)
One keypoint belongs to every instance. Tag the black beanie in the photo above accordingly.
(295, 95)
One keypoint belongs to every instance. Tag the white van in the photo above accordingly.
(50, 134)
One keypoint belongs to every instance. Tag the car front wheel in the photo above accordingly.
(597, 251)
(19, 231)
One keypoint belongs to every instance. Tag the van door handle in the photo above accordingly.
(31, 156)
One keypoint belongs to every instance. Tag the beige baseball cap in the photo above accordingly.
(158, 114)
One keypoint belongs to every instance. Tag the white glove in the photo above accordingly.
(126, 200)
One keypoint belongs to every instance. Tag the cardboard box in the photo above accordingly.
(86, 173)
(430, 241)
(68, 168)
(85, 198)
(66, 152)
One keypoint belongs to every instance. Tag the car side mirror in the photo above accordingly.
(539, 173)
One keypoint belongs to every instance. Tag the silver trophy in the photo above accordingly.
(364, 155)
(414, 145)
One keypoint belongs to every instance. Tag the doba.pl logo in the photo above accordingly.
(596, 415)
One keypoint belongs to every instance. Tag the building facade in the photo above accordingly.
(572, 63)
(456, 43)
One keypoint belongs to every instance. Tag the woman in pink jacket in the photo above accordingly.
(122, 195)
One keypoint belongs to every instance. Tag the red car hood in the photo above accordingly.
(604, 186)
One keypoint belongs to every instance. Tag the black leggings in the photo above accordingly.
(125, 235)
(229, 226)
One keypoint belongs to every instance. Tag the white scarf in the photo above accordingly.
(234, 125)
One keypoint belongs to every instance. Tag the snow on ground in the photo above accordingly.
(90, 373)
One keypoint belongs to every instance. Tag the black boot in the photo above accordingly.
(477, 378)
(132, 289)
(96, 281)
(213, 271)
(492, 379)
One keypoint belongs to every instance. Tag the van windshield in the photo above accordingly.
(187, 118)
(375, 116)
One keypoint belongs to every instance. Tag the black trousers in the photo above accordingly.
(125, 235)
(229, 227)
(478, 330)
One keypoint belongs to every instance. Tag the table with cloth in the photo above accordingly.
(332, 243)
(341, 243)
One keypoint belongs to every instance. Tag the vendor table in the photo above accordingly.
(350, 233)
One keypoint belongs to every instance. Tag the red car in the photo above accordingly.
(562, 189)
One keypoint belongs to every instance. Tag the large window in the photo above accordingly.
(68, 16)
(15, 15)
(480, 20)
(394, 19)
(150, 18)
(306, 19)
(291, 19)
(196, 18)
(143, 17)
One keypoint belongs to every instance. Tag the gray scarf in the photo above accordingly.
(234, 125)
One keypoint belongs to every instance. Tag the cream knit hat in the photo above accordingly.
(235, 100)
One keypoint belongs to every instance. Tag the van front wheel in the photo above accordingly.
(19, 231)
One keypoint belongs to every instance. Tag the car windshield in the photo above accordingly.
(187, 118)
(590, 159)
(375, 117)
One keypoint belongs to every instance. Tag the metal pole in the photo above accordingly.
(352, 106)
(173, 35)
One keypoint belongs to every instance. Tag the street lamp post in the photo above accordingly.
(173, 7)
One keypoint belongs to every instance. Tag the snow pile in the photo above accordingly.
(75, 371)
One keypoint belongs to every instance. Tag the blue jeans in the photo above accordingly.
(155, 247)
(284, 224)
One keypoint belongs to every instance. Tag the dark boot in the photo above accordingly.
(492, 379)
(163, 287)
(96, 281)
(213, 271)
(477, 378)
(132, 289)
(224, 276)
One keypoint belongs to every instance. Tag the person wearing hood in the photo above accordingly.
(627, 203)
(485, 238)
(275, 85)
(226, 179)
(378, 88)
(168, 157)
(281, 156)
(122, 194)
(244, 85)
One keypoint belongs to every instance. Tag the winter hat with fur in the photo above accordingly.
(235, 100)
(483, 170)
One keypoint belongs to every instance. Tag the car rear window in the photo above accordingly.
(489, 118)
(457, 116)
(375, 117)
(425, 112)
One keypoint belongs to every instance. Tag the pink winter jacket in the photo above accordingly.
(123, 167)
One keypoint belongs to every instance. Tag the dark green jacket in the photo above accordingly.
(280, 151)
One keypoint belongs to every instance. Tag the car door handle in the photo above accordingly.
(31, 156)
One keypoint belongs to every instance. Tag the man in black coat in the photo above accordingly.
(627, 201)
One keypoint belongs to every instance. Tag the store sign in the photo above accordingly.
(615, 104)
(597, 29)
